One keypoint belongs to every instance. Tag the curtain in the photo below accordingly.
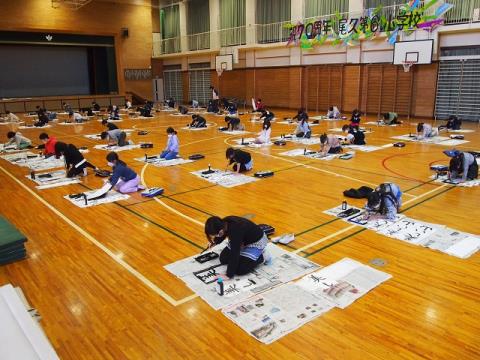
(270, 16)
(324, 7)
(198, 24)
(458, 92)
(371, 4)
(173, 83)
(462, 11)
(200, 81)
(273, 11)
(170, 27)
(232, 19)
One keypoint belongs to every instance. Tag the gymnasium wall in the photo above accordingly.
(373, 88)
(96, 18)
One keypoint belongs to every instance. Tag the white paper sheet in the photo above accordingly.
(283, 268)
(469, 183)
(235, 132)
(111, 196)
(277, 312)
(188, 128)
(415, 232)
(34, 161)
(226, 179)
(316, 155)
(343, 282)
(117, 148)
(164, 163)
(437, 140)
(57, 178)
(35, 127)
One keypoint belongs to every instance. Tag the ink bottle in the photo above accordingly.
(220, 286)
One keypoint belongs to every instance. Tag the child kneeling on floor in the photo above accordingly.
(242, 161)
(123, 179)
(19, 140)
(246, 246)
(171, 151)
(384, 202)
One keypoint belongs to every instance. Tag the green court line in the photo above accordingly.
(160, 226)
(153, 222)
(336, 219)
(316, 227)
(361, 230)
(431, 197)
(335, 242)
(174, 194)
(187, 205)
(189, 191)
(368, 172)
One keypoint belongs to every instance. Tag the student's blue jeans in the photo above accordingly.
(168, 155)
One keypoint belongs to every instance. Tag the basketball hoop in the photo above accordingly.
(223, 66)
(407, 65)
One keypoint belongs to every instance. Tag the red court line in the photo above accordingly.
(384, 164)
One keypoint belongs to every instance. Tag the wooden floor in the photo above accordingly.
(96, 275)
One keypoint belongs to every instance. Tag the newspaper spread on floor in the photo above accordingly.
(416, 232)
(201, 278)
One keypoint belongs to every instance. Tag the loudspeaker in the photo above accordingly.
(124, 32)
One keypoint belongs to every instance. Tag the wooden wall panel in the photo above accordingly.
(389, 79)
(250, 83)
(424, 89)
(157, 68)
(294, 90)
(311, 93)
(323, 88)
(232, 84)
(374, 88)
(335, 94)
(273, 86)
(403, 96)
(351, 88)
(215, 80)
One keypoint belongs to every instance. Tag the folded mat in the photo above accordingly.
(9, 250)
(9, 235)
(19, 255)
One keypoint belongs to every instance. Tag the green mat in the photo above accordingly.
(16, 256)
(9, 235)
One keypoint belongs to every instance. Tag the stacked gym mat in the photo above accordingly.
(12, 243)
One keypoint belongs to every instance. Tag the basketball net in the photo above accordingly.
(219, 72)
(407, 65)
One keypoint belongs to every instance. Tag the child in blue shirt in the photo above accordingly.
(384, 202)
(171, 151)
(123, 179)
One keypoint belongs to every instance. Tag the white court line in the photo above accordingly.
(314, 168)
(308, 166)
(142, 177)
(323, 239)
(165, 205)
(102, 247)
(308, 246)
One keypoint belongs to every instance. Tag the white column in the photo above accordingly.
(296, 15)
(182, 7)
(214, 10)
(296, 10)
(354, 53)
(250, 20)
(355, 6)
